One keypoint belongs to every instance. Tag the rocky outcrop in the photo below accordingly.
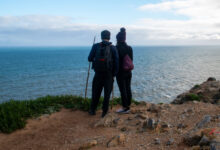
(208, 137)
(208, 92)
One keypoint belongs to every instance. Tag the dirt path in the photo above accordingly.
(68, 130)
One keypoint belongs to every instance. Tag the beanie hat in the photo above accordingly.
(105, 35)
(121, 36)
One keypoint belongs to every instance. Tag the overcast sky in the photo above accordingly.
(75, 23)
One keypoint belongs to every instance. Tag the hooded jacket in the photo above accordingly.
(114, 51)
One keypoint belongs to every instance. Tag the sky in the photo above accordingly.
(75, 23)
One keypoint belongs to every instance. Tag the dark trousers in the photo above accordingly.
(101, 80)
(124, 84)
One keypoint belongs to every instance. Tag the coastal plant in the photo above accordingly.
(196, 86)
(192, 97)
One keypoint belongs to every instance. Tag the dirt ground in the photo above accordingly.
(68, 130)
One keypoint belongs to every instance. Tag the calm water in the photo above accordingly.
(160, 74)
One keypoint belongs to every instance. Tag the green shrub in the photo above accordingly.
(196, 86)
(191, 97)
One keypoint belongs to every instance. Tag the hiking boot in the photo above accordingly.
(103, 114)
(92, 113)
(123, 111)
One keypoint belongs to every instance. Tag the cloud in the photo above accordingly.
(196, 9)
(202, 24)
(43, 30)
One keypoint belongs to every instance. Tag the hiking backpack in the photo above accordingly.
(103, 59)
(127, 63)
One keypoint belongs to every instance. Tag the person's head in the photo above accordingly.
(121, 36)
(105, 35)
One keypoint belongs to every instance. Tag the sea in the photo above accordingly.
(160, 72)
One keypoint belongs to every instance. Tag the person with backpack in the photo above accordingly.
(125, 67)
(104, 58)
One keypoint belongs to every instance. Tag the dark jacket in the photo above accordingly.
(123, 49)
(114, 55)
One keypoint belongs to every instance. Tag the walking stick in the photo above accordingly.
(112, 94)
(87, 80)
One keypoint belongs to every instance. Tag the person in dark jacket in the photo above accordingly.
(103, 77)
(124, 77)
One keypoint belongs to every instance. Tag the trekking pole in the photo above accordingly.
(112, 94)
(87, 80)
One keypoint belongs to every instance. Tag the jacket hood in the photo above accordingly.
(106, 43)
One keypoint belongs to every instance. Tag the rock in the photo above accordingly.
(142, 116)
(189, 110)
(130, 118)
(204, 141)
(214, 146)
(118, 121)
(149, 124)
(166, 106)
(134, 122)
(121, 138)
(191, 140)
(211, 79)
(123, 129)
(108, 121)
(154, 108)
(133, 111)
(203, 137)
(88, 145)
(205, 120)
(170, 142)
(142, 103)
(181, 126)
(196, 148)
(133, 105)
(162, 127)
(117, 140)
(157, 141)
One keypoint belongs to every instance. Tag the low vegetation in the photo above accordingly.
(14, 114)
(193, 97)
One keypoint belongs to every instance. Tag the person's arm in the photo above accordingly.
(92, 54)
(116, 61)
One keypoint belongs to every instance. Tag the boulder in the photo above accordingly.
(110, 120)
(117, 140)
(149, 124)
(206, 119)
(204, 141)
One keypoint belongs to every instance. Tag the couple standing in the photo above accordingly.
(109, 61)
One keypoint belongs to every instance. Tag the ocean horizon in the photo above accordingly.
(160, 73)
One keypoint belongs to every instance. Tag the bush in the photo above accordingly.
(192, 97)
(196, 86)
